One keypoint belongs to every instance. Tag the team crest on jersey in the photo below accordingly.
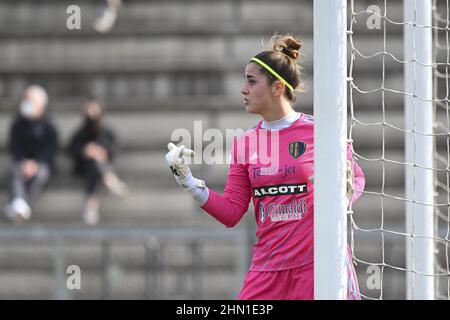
(297, 148)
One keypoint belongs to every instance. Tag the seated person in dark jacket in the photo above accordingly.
(92, 149)
(32, 145)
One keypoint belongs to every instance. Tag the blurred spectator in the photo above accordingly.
(92, 148)
(32, 145)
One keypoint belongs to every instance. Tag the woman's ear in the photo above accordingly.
(278, 88)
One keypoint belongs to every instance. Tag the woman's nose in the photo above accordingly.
(244, 90)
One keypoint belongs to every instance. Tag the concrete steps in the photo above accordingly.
(148, 263)
(127, 284)
(149, 17)
(172, 17)
(145, 130)
(129, 254)
(135, 54)
(151, 208)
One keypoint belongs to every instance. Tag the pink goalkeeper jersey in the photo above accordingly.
(282, 195)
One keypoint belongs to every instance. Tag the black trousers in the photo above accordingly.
(94, 172)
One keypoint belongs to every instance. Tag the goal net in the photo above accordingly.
(399, 126)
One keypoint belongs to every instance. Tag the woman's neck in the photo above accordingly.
(277, 112)
(281, 123)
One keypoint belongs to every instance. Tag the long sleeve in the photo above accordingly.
(107, 139)
(14, 148)
(230, 207)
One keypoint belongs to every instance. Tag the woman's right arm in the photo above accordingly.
(230, 207)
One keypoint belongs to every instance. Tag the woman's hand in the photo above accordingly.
(95, 152)
(175, 159)
(29, 169)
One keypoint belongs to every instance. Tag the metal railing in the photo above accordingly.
(153, 240)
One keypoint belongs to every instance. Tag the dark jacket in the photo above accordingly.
(36, 140)
(103, 137)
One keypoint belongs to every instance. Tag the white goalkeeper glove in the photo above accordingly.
(350, 178)
(176, 160)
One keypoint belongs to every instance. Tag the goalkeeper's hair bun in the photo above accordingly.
(282, 56)
(288, 45)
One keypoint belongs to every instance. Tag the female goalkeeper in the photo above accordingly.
(282, 266)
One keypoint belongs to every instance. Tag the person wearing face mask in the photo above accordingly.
(92, 149)
(32, 145)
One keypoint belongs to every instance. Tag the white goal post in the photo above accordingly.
(418, 72)
(330, 138)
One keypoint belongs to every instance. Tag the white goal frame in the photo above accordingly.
(330, 135)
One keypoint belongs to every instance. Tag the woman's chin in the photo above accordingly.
(249, 109)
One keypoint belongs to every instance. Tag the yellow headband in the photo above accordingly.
(273, 72)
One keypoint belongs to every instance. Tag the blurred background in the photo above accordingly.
(159, 67)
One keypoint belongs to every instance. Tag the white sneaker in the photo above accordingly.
(90, 216)
(18, 210)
